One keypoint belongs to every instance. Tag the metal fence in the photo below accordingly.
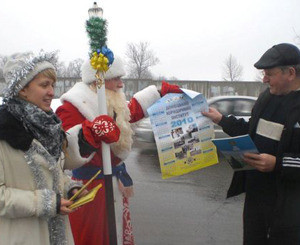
(207, 88)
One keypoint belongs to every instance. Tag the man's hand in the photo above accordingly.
(262, 162)
(213, 114)
(126, 191)
(102, 128)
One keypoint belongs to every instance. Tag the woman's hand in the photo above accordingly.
(213, 114)
(83, 193)
(262, 162)
(64, 204)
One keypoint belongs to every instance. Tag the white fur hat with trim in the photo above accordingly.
(21, 68)
(116, 70)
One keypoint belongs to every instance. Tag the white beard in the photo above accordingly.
(85, 100)
(116, 102)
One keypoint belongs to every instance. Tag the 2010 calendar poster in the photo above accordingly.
(182, 134)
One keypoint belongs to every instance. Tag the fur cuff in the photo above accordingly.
(46, 203)
(123, 155)
(147, 97)
(74, 159)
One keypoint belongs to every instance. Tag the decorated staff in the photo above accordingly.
(101, 59)
(80, 116)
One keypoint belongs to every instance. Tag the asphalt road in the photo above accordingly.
(188, 210)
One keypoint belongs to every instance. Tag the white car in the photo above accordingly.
(240, 106)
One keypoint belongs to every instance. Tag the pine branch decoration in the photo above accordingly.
(96, 29)
(101, 57)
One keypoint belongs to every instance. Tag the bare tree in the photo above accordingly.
(140, 59)
(161, 78)
(3, 60)
(166, 78)
(232, 70)
(61, 69)
(71, 70)
(297, 37)
(59, 65)
(259, 76)
(74, 68)
(173, 78)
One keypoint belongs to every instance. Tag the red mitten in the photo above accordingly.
(103, 128)
(169, 88)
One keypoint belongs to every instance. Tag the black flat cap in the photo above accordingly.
(283, 54)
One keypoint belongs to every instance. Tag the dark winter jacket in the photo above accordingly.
(287, 168)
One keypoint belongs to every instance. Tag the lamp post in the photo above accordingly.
(95, 11)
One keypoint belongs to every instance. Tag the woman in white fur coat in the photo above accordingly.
(89, 224)
(33, 187)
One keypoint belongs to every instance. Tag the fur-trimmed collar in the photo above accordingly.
(13, 132)
(84, 99)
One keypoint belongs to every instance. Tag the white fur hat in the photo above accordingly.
(21, 68)
(115, 70)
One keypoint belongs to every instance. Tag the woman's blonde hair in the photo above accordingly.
(50, 73)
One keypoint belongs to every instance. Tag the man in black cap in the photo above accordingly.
(272, 201)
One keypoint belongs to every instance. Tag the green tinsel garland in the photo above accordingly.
(96, 29)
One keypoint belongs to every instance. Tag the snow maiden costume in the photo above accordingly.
(32, 180)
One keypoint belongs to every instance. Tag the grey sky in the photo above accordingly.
(192, 38)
